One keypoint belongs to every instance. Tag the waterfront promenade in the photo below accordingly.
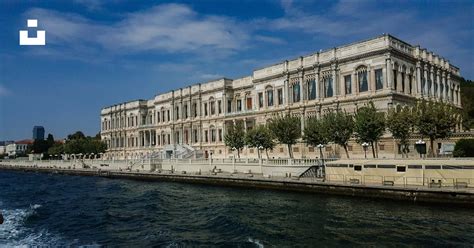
(276, 174)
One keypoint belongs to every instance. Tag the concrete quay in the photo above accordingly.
(415, 194)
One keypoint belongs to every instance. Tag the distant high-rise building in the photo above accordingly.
(38, 133)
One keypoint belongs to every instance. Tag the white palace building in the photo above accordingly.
(191, 121)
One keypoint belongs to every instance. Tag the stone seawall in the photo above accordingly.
(450, 196)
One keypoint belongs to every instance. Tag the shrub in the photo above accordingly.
(464, 148)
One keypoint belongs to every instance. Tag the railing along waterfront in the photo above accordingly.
(432, 182)
(269, 162)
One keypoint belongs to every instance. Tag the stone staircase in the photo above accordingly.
(181, 151)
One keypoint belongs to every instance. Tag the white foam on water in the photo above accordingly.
(256, 242)
(14, 233)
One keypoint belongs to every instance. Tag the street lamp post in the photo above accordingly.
(321, 146)
(365, 145)
(260, 149)
(233, 159)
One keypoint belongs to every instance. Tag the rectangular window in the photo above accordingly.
(219, 107)
(249, 103)
(177, 113)
(296, 92)
(348, 84)
(363, 85)
(401, 169)
(239, 105)
(280, 96)
(260, 100)
(194, 110)
(378, 79)
(168, 114)
(270, 97)
(220, 135)
(229, 106)
(403, 82)
(205, 109)
(186, 111)
(206, 137)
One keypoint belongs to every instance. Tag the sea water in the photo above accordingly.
(61, 210)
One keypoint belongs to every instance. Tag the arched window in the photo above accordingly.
(295, 83)
(213, 133)
(328, 86)
(362, 78)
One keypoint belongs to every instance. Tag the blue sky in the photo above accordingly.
(100, 53)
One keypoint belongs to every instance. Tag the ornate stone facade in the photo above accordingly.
(384, 70)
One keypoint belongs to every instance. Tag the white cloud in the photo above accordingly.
(167, 27)
(207, 76)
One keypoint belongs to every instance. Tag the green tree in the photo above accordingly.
(286, 129)
(260, 137)
(76, 135)
(400, 123)
(315, 132)
(340, 127)
(464, 148)
(369, 125)
(235, 137)
(435, 120)
(467, 102)
(50, 140)
(56, 149)
(39, 146)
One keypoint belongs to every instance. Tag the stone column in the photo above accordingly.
(425, 75)
(286, 94)
(449, 89)
(335, 82)
(303, 88)
(418, 78)
(318, 84)
(371, 75)
(445, 90)
(438, 83)
(302, 120)
(388, 76)
(355, 83)
(399, 80)
(432, 81)
(245, 125)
